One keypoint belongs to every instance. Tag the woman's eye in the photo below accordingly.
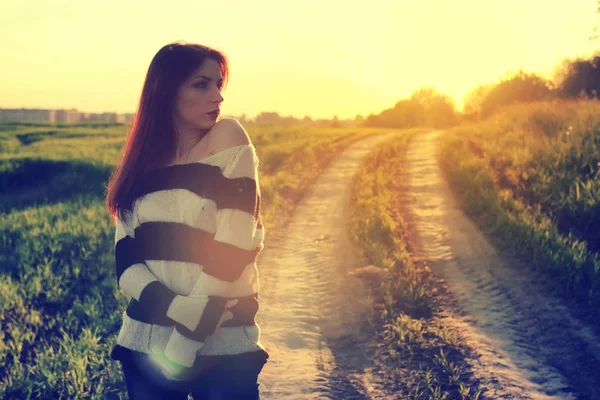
(203, 85)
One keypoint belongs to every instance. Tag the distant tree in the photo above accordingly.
(372, 120)
(438, 109)
(265, 118)
(425, 107)
(335, 123)
(520, 87)
(579, 77)
(474, 99)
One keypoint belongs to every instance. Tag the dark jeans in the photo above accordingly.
(233, 380)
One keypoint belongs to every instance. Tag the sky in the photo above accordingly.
(316, 58)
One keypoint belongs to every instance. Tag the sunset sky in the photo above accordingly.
(316, 57)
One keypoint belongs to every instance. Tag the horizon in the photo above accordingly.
(316, 73)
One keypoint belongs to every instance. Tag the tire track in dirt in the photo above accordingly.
(311, 310)
(529, 345)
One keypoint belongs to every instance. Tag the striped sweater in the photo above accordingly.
(189, 246)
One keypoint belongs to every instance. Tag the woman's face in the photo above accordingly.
(199, 95)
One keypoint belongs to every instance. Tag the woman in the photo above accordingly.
(185, 199)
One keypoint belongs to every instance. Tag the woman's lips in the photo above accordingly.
(213, 114)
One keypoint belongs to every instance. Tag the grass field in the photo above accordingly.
(60, 304)
(530, 176)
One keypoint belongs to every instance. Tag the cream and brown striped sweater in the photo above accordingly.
(191, 244)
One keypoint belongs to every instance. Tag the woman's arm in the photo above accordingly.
(137, 280)
(238, 205)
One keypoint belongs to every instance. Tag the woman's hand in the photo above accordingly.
(181, 351)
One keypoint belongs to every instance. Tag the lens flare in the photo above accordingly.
(168, 368)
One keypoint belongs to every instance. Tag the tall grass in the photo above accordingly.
(423, 358)
(60, 306)
(530, 175)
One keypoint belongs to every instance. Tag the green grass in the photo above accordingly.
(529, 176)
(61, 307)
(423, 358)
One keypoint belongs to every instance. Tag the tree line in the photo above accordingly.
(572, 78)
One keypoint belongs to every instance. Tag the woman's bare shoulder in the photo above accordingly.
(226, 133)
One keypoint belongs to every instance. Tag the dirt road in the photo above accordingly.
(527, 345)
(530, 345)
(310, 308)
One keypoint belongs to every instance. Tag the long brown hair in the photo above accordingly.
(152, 137)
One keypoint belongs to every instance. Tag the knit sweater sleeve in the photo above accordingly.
(133, 275)
(238, 206)
(237, 218)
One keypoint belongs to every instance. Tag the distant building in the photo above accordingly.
(124, 118)
(67, 116)
(101, 117)
(60, 116)
(26, 115)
